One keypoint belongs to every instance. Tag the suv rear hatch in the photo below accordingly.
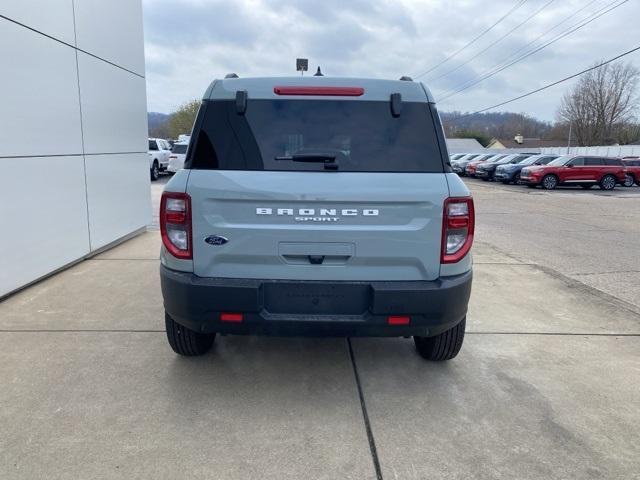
(316, 189)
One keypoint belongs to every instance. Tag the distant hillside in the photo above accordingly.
(504, 125)
(155, 119)
(157, 124)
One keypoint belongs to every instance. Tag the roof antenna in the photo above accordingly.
(318, 73)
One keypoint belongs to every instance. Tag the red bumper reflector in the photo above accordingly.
(231, 317)
(399, 320)
(324, 91)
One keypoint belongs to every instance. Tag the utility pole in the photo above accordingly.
(569, 142)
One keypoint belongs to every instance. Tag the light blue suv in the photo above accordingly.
(317, 206)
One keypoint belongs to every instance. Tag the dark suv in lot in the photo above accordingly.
(576, 170)
(511, 171)
(487, 170)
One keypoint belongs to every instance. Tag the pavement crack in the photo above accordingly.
(602, 273)
(365, 415)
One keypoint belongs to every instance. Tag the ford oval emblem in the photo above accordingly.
(216, 240)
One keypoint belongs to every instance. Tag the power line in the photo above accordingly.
(500, 67)
(513, 54)
(497, 41)
(483, 33)
(491, 73)
(555, 83)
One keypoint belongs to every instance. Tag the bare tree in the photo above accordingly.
(603, 100)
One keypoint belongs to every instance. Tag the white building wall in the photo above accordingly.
(74, 174)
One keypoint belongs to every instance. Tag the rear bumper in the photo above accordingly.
(310, 308)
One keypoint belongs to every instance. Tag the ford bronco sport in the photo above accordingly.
(317, 206)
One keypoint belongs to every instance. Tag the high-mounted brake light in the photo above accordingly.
(175, 224)
(322, 91)
(458, 223)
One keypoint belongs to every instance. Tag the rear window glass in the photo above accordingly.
(304, 135)
(153, 145)
(179, 148)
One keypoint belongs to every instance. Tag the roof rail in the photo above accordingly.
(404, 78)
(231, 75)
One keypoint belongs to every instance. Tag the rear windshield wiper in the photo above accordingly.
(309, 157)
(328, 159)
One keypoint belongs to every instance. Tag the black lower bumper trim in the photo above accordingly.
(309, 308)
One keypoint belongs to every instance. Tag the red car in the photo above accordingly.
(632, 164)
(576, 170)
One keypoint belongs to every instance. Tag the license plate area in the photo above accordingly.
(311, 298)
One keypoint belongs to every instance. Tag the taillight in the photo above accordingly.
(175, 224)
(231, 317)
(398, 320)
(458, 223)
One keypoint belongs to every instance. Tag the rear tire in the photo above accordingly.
(608, 182)
(444, 346)
(155, 171)
(186, 342)
(629, 181)
(549, 182)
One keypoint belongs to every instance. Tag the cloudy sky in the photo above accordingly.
(191, 42)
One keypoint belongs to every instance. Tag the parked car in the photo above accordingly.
(576, 170)
(456, 156)
(316, 206)
(463, 162)
(632, 164)
(471, 168)
(176, 159)
(159, 151)
(510, 172)
(487, 170)
(458, 165)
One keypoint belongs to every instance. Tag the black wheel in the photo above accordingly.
(549, 182)
(587, 187)
(155, 171)
(187, 342)
(516, 179)
(441, 347)
(628, 181)
(608, 182)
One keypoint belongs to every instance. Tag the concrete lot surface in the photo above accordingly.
(546, 385)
